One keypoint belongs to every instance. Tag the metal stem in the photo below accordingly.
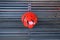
(29, 34)
(29, 6)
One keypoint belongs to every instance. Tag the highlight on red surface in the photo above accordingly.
(29, 19)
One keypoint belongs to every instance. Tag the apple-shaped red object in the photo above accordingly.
(29, 19)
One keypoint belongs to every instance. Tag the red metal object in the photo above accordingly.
(29, 19)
